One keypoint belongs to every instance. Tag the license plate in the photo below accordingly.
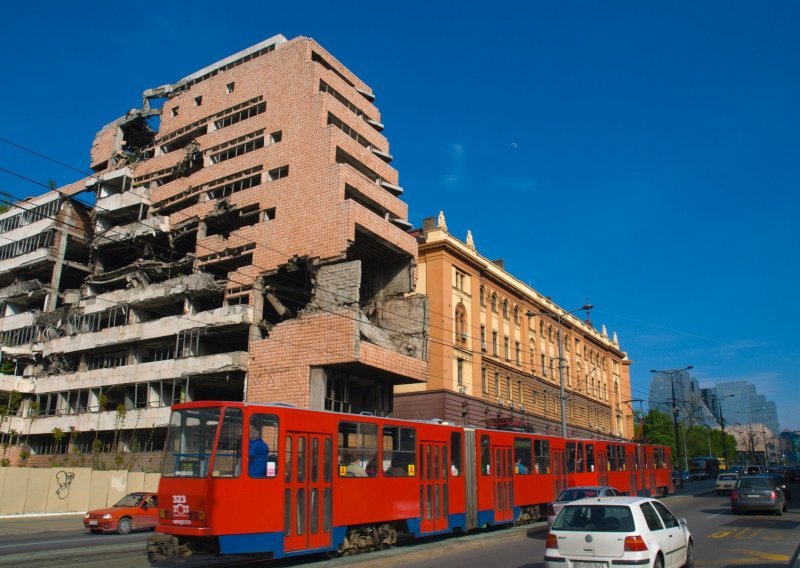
(752, 496)
(92, 522)
(579, 564)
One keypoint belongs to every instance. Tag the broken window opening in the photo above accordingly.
(232, 262)
(356, 394)
(225, 222)
(278, 173)
(184, 140)
(287, 291)
(187, 343)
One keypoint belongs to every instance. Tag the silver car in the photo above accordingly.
(574, 493)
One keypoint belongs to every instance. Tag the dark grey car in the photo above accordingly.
(757, 494)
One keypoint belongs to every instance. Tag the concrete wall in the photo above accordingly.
(25, 490)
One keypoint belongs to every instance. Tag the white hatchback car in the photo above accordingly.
(574, 493)
(605, 531)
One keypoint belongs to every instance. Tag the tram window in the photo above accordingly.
(541, 453)
(228, 460)
(399, 451)
(621, 458)
(358, 449)
(571, 457)
(190, 440)
(522, 456)
(486, 457)
(589, 457)
(579, 463)
(660, 457)
(262, 449)
(611, 457)
(455, 454)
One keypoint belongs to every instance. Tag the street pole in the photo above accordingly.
(722, 424)
(530, 313)
(561, 380)
(675, 425)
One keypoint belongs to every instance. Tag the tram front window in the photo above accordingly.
(190, 441)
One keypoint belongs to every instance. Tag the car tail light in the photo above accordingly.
(552, 541)
(635, 544)
(734, 495)
(772, 495)
(197, 515)
(164, 514)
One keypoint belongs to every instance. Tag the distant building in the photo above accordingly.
(739, 403)
(692, 409)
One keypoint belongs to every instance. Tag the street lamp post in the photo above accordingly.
(672, 374)
(558, 317)
(722, 424)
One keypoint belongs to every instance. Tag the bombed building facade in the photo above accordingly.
(242, 237)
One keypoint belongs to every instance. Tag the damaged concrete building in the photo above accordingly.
(246, 240)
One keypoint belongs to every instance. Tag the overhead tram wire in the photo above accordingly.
(232, 280)
(473, 327)
(200, 246)
(186, 216)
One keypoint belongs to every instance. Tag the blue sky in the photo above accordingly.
(641, 155)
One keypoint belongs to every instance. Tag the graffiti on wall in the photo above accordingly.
(64, 480)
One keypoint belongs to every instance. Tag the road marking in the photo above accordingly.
(722, 534)
(747, 533)
(765, 555)
(715, 514)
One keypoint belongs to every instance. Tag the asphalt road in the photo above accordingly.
(721, 540)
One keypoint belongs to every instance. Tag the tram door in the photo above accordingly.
(308, 502)
(503, 484)
(558, 460)
(651, 472)
(632, 463)
(602, 467)
(434, 501)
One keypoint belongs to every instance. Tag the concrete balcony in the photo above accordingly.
(17, 321)
(143, 418)
(122, 233)
(141, 372)
(136, 332)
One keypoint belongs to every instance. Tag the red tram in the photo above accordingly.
(276, 480)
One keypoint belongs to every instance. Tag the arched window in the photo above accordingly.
(483, 296)
(516, 314)
(505, 309)
(461, 322)
(494, 302)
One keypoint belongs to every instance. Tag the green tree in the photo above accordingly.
(58, 435)
(659, 430)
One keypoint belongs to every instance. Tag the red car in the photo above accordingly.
(133, 512)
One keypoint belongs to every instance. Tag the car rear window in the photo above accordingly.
(754, 483)
(603, 518)
(727, 477)
(575, 494)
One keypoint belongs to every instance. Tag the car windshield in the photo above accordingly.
(727, 477)
(132, 500)
(575, 494)
(603, 518)
(754, 483)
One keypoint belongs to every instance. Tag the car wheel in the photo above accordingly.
(658, 562)
(125, 526)
(689, 556)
